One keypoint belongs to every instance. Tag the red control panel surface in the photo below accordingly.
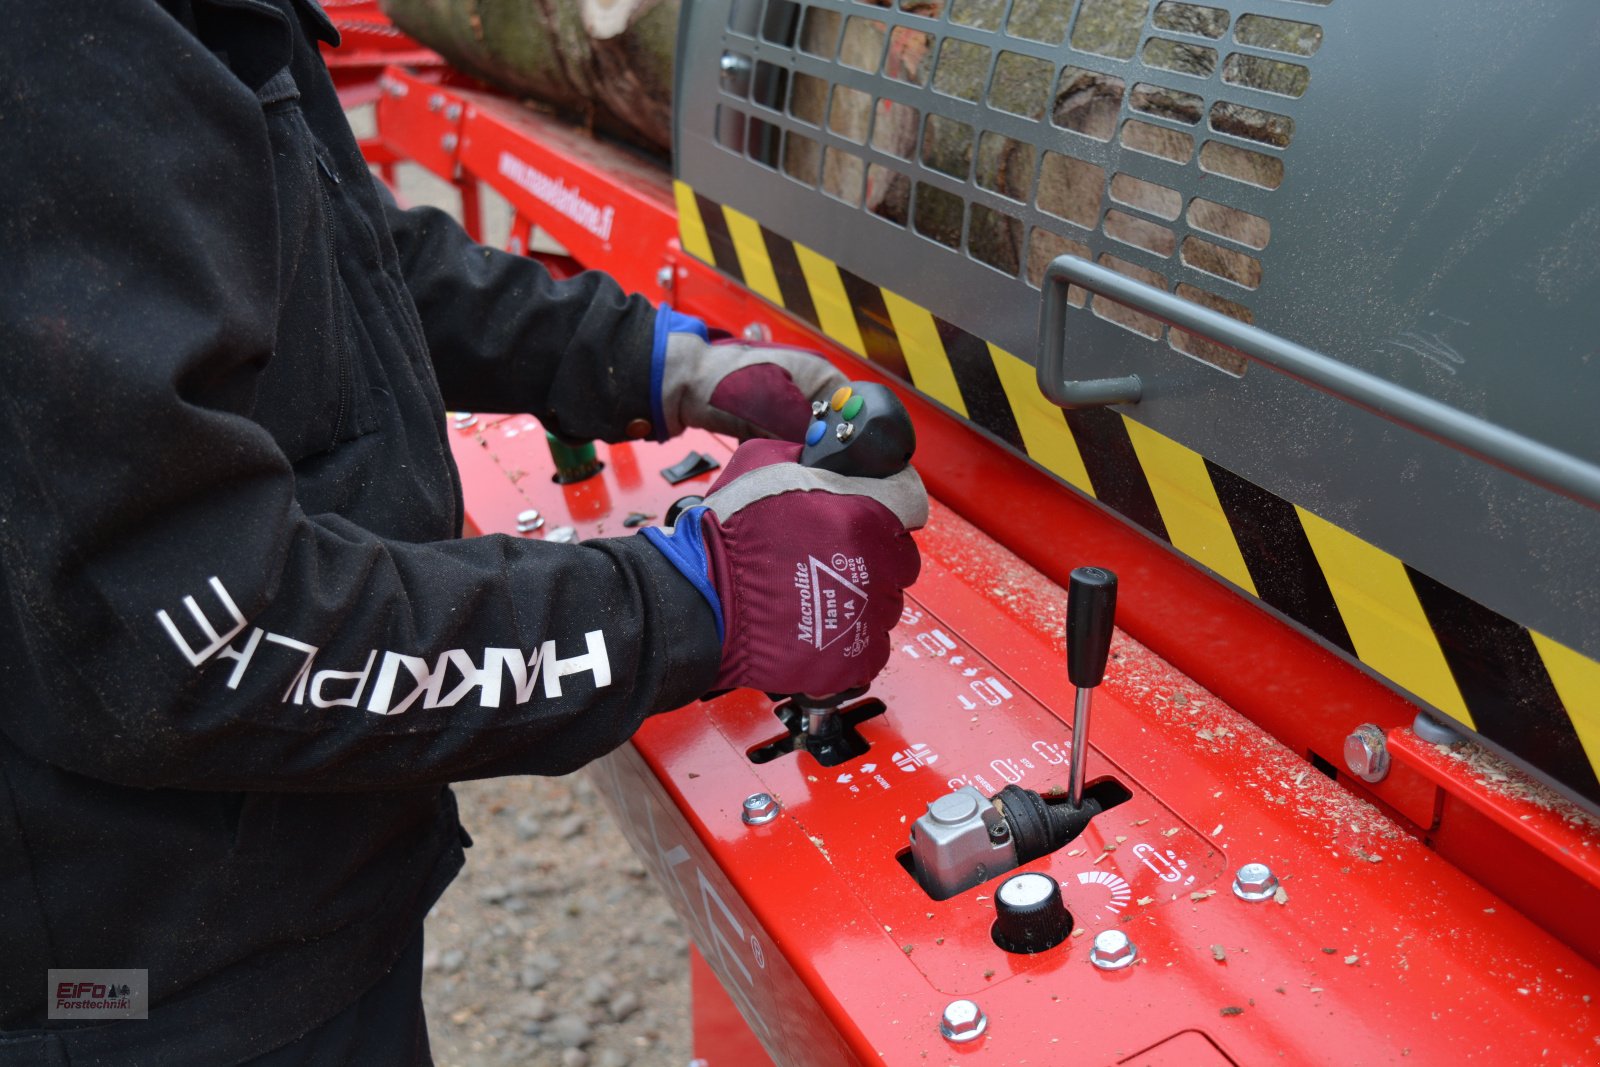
(1376, 950)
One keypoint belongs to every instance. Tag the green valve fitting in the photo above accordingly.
(574, 462)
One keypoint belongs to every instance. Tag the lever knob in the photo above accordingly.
(1091, 608)
(1029, 913)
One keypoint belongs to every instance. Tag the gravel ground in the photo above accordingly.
(553, 947)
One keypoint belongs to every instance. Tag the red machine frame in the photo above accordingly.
(803, 920)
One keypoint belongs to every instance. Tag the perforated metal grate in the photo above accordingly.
(1011, 132)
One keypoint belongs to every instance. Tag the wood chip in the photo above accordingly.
(1169, 833)
(1330, 951)
(1145, 902)
(1352, 960)
(1219, 953)
(1281, 896)
(1230, 1010)
(1141, 822)
(1121, 838)
(1202, 894)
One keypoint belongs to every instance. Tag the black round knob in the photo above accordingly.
(1029, 914)
(679, 506)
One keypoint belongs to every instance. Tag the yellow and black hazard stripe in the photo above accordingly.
(1514, 686)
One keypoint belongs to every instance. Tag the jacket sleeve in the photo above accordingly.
(575, 353)
(170, 616)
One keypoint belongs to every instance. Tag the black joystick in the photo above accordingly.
(1091, 609)
(861, 430)
(1029, 914)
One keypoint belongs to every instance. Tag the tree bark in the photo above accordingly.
(607, 63)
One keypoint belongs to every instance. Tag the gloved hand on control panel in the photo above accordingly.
(732, 388)
(803, 568)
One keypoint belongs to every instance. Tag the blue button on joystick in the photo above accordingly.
(815, 431)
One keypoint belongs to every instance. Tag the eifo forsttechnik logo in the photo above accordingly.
(98, 993)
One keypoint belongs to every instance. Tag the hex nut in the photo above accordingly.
(1366, 753)
(1112, 950)
(963, 1021)
(759, 808)
(465, 420)
(528, 521)
(1255, 881)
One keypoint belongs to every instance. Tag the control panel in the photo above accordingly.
(1032, 840)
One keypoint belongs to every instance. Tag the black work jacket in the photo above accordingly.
(241, 648)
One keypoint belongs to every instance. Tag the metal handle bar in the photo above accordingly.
(1538, 463)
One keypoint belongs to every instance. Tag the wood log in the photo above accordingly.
(606, 63)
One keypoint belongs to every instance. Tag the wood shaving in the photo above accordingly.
(1352, 960)
(1169, 833)
(1219, 953)
(1230, 1010)
(1202, 895)
(1281, 896)
(1145, 902)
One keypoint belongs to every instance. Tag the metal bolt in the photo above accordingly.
(756, 331)
(759, 808)
(732, 63)
(452, 112)
(395, 87)
(529, 521)
(845, 431)
(1434, 731)
(1255, 881)
(1366, 753)
(1112, 950)
(963, 1021)
(436, 102)
(819, 408)
(562, 535)
(465, 420)
(449, 141)
(665, 277)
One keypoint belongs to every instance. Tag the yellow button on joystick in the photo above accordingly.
(840, 395)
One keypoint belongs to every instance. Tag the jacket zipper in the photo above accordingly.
(341, 349)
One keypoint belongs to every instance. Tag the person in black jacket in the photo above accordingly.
(242, 647)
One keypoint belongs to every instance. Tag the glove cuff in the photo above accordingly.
(668, 322)
(684, 546)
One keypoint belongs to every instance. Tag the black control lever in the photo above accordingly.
(1091, 610)
(862, 430)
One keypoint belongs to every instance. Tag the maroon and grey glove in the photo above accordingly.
(804, 569)
(732, 388)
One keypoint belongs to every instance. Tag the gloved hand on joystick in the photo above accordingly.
(730, 387)
(804, 569)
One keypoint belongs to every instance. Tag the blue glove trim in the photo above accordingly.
(667, 322)
(685, 549)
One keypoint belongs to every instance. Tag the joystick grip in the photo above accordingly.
(861, 430)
